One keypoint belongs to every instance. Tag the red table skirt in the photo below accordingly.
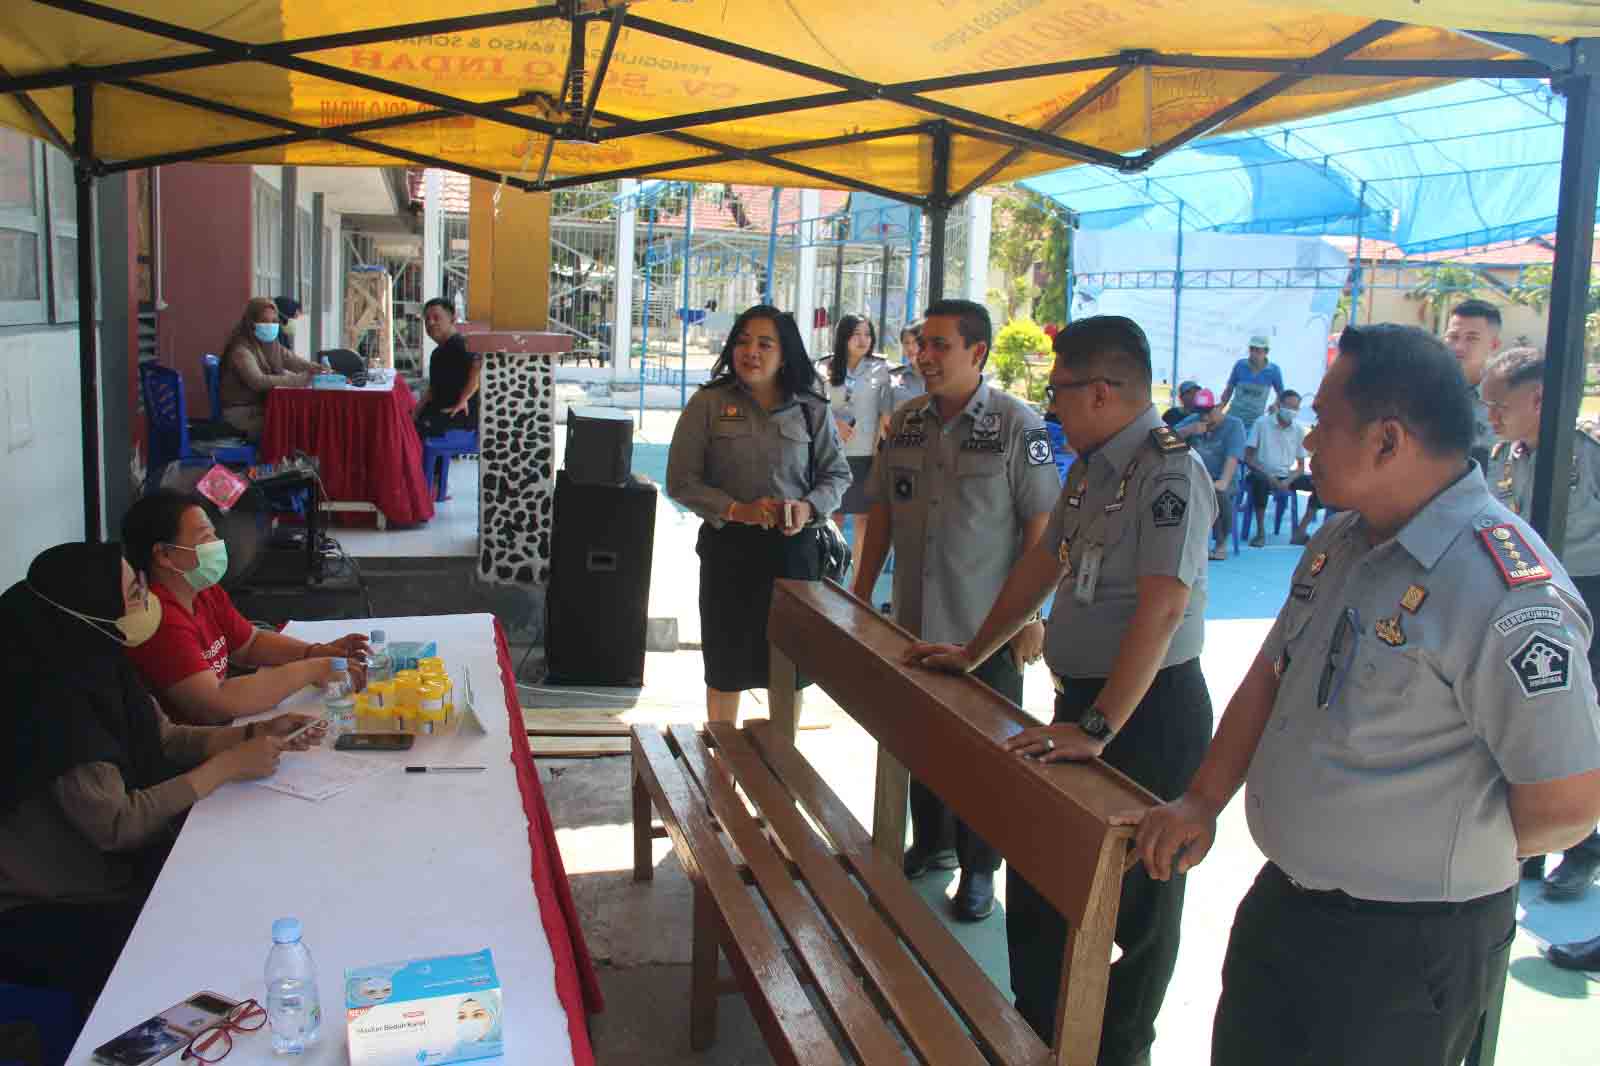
(364, 442)
(576, 984)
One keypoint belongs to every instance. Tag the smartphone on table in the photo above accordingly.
(374, 742)
(157, 1037)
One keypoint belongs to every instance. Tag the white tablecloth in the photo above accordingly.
(397, 866)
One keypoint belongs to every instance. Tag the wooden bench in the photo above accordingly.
(744, 809)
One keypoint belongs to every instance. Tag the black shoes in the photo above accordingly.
(974, 897)
(1584, 955)
(1533, 868)
(1572, 878)
(921, 858)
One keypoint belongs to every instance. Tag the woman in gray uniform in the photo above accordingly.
(756, 455)
(861, 393)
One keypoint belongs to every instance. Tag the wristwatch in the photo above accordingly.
(1094, 725)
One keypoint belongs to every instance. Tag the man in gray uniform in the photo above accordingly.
(1513, 391)
(1127, 545)
(1473, 337)
(1420, 714)
(962, 486)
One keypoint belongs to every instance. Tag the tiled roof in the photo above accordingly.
(1532, 251)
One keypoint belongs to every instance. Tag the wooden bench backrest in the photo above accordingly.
(1046, 820)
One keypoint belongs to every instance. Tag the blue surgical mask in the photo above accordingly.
(266, 332)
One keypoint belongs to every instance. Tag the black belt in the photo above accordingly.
(1338, 899)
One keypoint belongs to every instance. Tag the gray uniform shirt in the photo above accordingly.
(866, 395)
(1453, 662)
(959, 493)
(1149, 513)
(905, 384)
(1511, 478)
(727, 448)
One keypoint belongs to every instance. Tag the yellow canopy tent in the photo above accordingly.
(918, 100)
(826, 93)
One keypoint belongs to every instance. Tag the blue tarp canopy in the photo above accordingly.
(1470, 163)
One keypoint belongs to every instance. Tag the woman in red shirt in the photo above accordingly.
(169, 538)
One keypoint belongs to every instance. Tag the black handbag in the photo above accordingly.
(833, 551)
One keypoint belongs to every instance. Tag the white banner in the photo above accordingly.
(1215, 324)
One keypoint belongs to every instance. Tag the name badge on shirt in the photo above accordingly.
(1088, 574)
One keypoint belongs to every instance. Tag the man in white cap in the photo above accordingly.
(1251, 380)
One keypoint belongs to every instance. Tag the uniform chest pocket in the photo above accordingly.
(974, 463)
(731, 428)
(1374, 718)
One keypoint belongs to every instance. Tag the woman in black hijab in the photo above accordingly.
(92, 776)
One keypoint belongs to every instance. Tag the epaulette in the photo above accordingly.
(1590, 428)
(1166, 441)
(1499, 449)
(1513, 556)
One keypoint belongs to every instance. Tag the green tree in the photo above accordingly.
(1017, 340)
(1441, 287)
(1019, 239)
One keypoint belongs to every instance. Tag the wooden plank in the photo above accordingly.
(577, 747)
(947, 731)
(807, 930)
(891, 790)
(1086, 969)
(788, 1022)
(995, 1024)
(644, 831)
(783, 690)
(927, 1023)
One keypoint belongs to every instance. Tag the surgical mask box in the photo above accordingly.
(425, 1012)
(408, 653)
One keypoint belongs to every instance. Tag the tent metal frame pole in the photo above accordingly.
(883, 295)
(837, 309)
(57, 79)
(772, 245)
(1051, 125)
(1355, 284)
(688, 270)
(644, 328)
(938, 212)
(1569, 291)
(1070, 224)
(88, 304)
(1355, 42)
(1177, 303)
(913, 266)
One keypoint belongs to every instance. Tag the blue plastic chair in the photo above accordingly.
(167, 423)
(213, 371)
(437, 453)
(1244, 514)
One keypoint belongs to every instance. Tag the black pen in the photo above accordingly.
(443, 769)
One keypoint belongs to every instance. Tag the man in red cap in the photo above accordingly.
(1218, 438)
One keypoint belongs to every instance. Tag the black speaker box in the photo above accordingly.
(599, 597)
(599, 445)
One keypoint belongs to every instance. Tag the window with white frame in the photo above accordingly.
(62, 190)
(23, 231)
(268, 240)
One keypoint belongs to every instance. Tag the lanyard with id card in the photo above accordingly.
(1088, 574)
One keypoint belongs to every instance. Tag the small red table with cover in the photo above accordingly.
(744, 808)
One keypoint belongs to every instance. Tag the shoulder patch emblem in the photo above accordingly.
(1167, 441)
(1038, 445)
(1541, 664)
(1513, 556)
(1168, 508)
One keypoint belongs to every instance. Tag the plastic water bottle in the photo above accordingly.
(339, 700)
(293, 1008)
(380, 664)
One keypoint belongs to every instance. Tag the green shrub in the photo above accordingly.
(1018, 339)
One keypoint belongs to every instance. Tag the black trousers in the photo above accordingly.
(1260, 491)
(1320, 979)
(931, 821)
(1160, 747)
(70, 946)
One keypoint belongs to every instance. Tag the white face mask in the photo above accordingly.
(472, 1030)
(136, 626)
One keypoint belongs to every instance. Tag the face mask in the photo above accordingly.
(1287, 417)
(213, 564)
(266, 332)
(137, 626)
(472, 1030)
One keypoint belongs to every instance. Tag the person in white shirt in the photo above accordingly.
(1275, 455)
